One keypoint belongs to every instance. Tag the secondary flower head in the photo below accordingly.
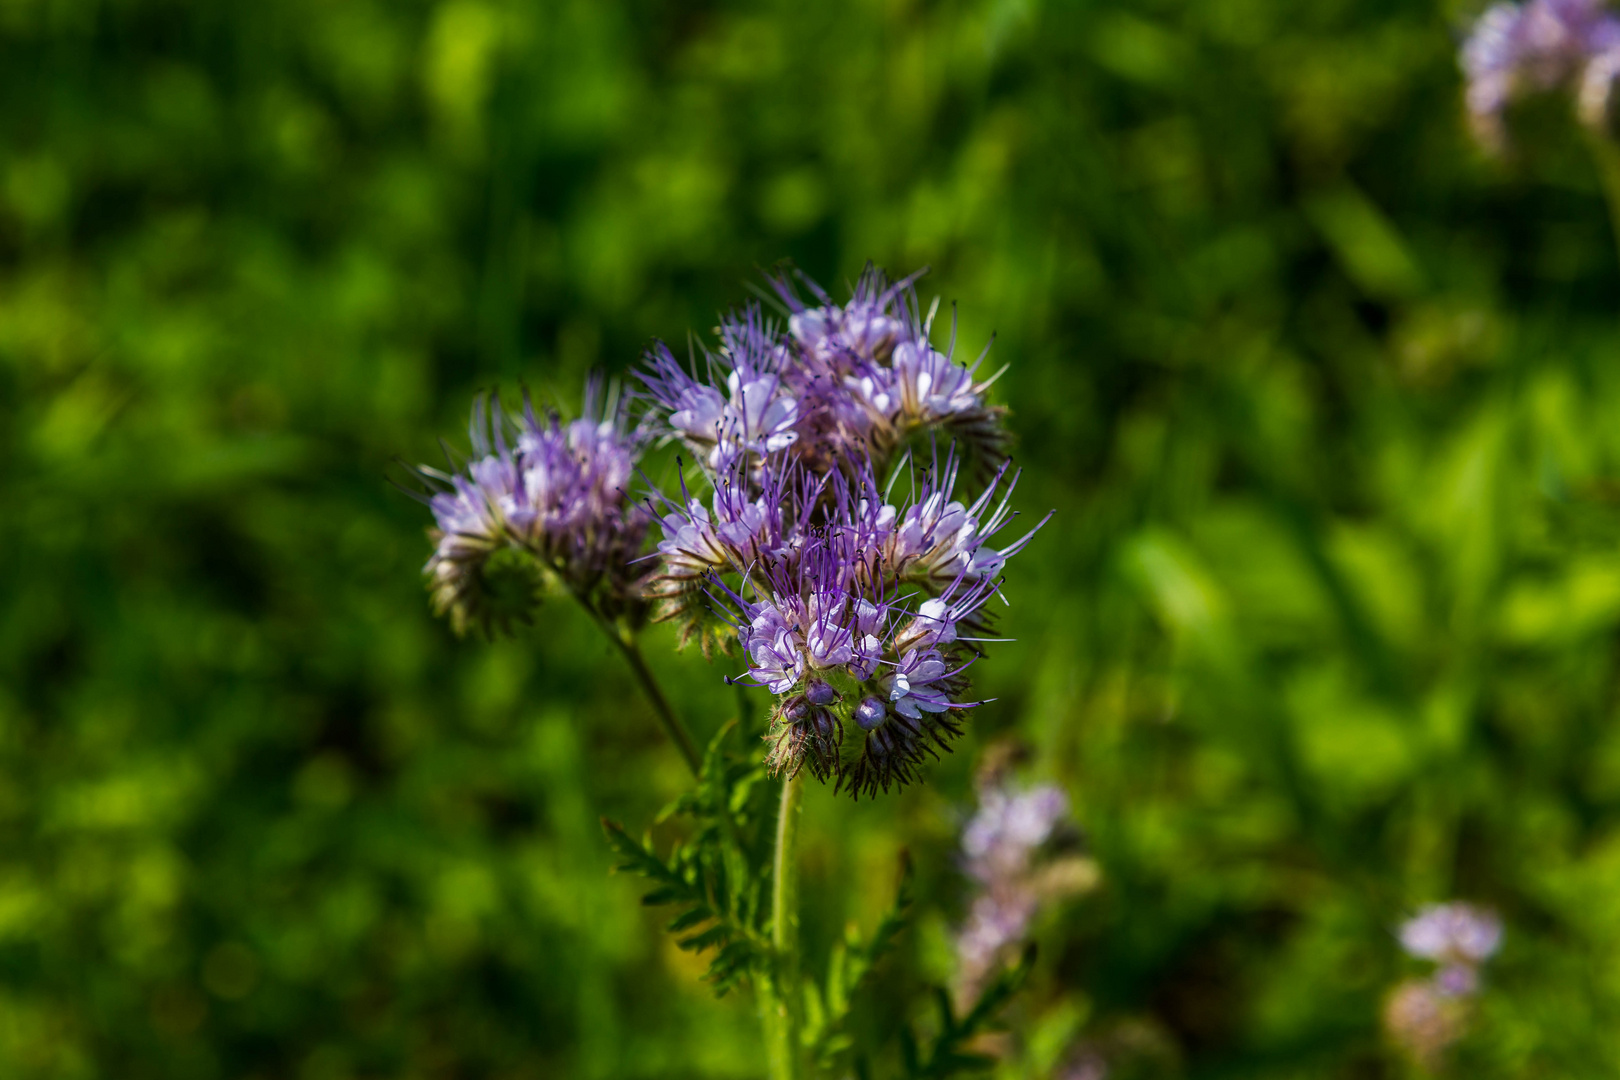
(1539, 46)
(1425, 1016)
(539, 497)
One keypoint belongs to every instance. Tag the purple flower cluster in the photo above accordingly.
(856, 380)
(1425, 1016)
(860, 614)
(1001, 847)
(858, 610)
(540, 499)
(1541, 45)
(1459, 937)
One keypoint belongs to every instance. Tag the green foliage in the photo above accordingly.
(719, 878)
(947, 1054)
(851, 960)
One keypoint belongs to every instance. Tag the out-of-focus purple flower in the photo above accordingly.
(996, 924)
(556, 492)
(1541, 45)
(1457, 980)
(1009, 828)
(1425, 1016)
(1002, 849)
(1423, 1021)
(1455, 932)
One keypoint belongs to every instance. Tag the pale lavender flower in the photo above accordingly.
(1425, 1016)
(1457, 980)
(1009, 828)
(1455, 932)
(1001, 848)
(841, 338)
(1541, 46)
(995, 926)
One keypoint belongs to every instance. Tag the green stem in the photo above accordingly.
(625, 641)
(649, 684)
(779, 998)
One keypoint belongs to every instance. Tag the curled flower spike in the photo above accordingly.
(934, 539)
(752, 410)
(745, 524)
(540, 497)
(873, 379)
(856, 701)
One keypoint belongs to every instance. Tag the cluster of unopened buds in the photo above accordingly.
(841, 520)
(1541, 46)
(1425, 1016)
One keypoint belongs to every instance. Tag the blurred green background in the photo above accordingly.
(1326, 625)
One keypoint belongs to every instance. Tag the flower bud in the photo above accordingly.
(820, 693)
(870, 713)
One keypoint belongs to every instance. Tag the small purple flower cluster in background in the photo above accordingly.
(1005, 853)
(858, 609)
(549, 492)
(1541, 45)
(1425, 1016)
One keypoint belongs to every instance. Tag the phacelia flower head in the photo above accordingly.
(1540, 46)
(933, 539)
(540, 498)
(853, 704)
(861, 615)
(743, 406)
(1455, 932)
(871, 377)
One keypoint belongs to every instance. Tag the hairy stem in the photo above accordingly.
(779, 1003)
(649, 684)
